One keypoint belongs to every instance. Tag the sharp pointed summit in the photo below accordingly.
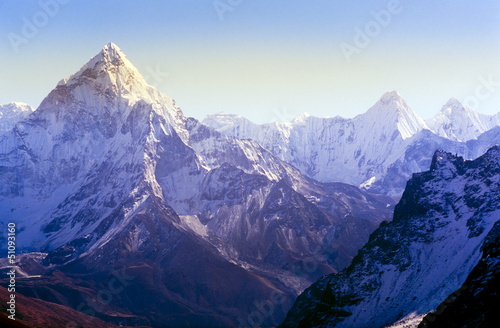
(113, 49)
(107, 85)
(454, 108)
(392, 102)
(395, 114)
(453, 103)
(111, 53)
(391, 96)
(110, 65)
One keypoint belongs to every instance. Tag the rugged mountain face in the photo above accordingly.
(378, 150)
(83, 150)
(109, 178)
(12, 113)
(410, 265)
(476, 302)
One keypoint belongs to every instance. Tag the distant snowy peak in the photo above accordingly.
(377, 150)
(390, 112)
(272, 136)
(391, 96)
(12, 113)
(460, 123)
(16, 107)
(223, 122)
(301, 118)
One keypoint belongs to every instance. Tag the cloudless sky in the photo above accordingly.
(265, 60)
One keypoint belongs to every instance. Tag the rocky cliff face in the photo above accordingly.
(476, 302)
(410, 265)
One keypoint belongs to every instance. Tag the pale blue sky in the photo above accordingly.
(266, 60)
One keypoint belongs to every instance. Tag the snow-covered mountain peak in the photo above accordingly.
(111, 53)
(12, 113)
(453, 103)
(108, 85)
(301, 118)
(454, 109)
(110, 66)
(112, 56)
(391, 96)
(19, 105)
(458, 122)
(395, 114)
(13, 108)
(112, 50)
(393, 103)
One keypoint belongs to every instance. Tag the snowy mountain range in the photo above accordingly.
(444, 221)
(128, 211)
(460, 123)
(377, 151)
(108, 176)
